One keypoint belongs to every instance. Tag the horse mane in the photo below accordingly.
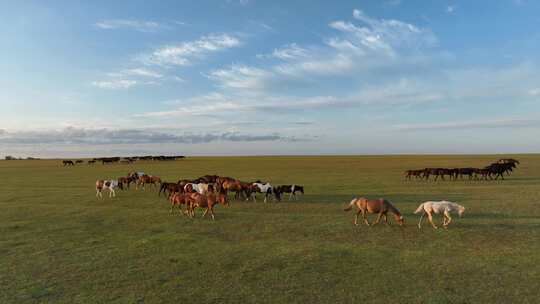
(392, 208)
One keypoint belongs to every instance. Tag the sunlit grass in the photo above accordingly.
(59, 244)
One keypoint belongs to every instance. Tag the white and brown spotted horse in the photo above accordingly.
(107, 185)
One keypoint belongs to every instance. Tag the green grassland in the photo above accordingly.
(59, 244)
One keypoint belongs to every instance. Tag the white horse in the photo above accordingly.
(108, 185)
(200, 188)
(266, 188)
(442, 207)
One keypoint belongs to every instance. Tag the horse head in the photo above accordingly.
(400, 219)
(461, 210)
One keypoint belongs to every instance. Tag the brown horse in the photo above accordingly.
(206, 202)
(380, 206)
(170, 188)
(126, 181)
(179, 199)
(236, 186)
(148, 179)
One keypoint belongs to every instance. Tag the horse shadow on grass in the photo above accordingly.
(397, 198)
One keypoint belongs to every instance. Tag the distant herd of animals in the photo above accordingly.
(121, 160)
(493, 171)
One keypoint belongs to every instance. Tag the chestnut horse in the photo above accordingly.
(238, 187)
(170, 188)
(206, 202)
(380, 206)
(179, 199)
(147, 179)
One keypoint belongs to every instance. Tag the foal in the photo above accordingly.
(380, 206)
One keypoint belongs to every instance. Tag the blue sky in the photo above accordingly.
(243, 77)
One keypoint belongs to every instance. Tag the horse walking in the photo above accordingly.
(268, 190)
(442, 207)
(206, 202)
(107, 185)
(380, 206)
(179, 199)
(147, 179)
(68, 163)
(291, 189)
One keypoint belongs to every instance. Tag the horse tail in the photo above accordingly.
(350, 206)
(419, 209)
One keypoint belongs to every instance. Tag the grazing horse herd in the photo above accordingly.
(498, 169)
(208, 191)
(124, 160)
(204, 192)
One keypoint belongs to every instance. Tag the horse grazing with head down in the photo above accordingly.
(379, 206)
(442, 207)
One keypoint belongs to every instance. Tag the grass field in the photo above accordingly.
(58, 244)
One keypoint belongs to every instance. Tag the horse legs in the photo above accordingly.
(449, 219)
(356, 217)
(378, 219)
(212, 212)
(205, 211)
(364, 217)
(430, 218)
(386, 219)
(421, 219)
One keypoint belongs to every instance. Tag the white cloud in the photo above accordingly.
(142, 26)
(338, 64)
(143, 72)
(534, 92)
(450, 9)
(477, 124)
(404, 92)
(354, 51)
(105, 136)
(184, 53)
(288, 52)
(124, 79)
(240, 77)
(115, 84)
